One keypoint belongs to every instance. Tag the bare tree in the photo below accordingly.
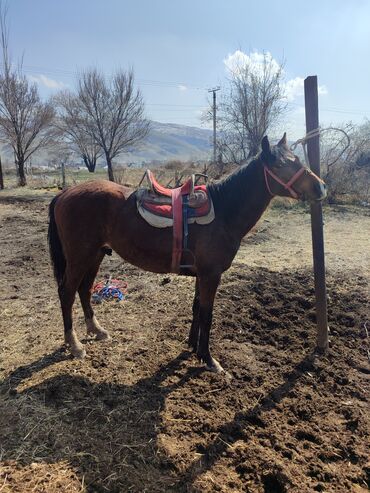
(24, 118)
(252, 105)
(346, 168)
(76, 130)
(113, 112)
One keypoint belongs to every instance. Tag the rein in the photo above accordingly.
(288, 185)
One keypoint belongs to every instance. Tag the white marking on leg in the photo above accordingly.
(217, 368)
(76, 347)
(93, 327)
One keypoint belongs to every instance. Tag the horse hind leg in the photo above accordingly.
(84, 290)
(67, 292)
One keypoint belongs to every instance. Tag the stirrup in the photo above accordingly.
(187, 266)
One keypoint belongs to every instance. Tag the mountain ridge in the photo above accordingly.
(165, 142)
(172, 141)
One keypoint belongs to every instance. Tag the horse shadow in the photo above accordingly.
(110, 433)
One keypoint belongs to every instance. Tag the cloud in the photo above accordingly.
(237, 61)
(181, 87)
(294, 88)
(45, 81)
(322, 90)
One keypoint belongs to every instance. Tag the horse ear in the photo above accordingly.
(266, 146)
(283, 141)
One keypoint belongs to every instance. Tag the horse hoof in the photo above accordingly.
(217, 368)
(102, 335)
(192, 348)
(78, 353)
(94, 329)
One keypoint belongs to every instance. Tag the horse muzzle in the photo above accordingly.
(320, 187)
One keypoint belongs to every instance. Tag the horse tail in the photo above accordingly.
(55, 246)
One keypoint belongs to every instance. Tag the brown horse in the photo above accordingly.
(89, 218)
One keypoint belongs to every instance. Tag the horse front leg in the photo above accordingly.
(207, 291)
(194, 331)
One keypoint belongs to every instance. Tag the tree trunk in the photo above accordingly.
(93, 164)
(90, 163)
(110, 168)
(21, 172)
(1, 177)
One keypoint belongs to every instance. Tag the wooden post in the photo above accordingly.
(1, 176)
(63, 174)
(313, 151)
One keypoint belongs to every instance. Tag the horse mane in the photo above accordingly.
(229, 194)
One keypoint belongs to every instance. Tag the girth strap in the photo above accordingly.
(177, 229)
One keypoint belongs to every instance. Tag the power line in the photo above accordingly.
(182, 105)
(66, 73)
(335, 110)
(172, 110)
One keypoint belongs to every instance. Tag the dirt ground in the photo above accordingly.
(140, 413)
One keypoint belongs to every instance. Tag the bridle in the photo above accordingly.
(289, 184)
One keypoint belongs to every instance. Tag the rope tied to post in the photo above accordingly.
(315, 133)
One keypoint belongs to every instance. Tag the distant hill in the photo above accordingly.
(168, 141)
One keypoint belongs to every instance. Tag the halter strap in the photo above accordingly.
(287, 186)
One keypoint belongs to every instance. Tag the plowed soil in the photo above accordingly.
(141, 414)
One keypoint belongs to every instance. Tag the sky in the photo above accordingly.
(180, 49)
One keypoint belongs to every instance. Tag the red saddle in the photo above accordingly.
(186, 189)
(185, 202)
(162, 200)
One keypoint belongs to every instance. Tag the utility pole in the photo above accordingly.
(214, 90)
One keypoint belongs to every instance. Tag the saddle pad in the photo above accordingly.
(160, 215)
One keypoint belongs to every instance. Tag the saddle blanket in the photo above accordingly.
(157, 210)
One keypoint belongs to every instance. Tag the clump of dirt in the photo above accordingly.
(141, 414)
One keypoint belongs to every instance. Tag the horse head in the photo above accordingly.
(286, 176)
